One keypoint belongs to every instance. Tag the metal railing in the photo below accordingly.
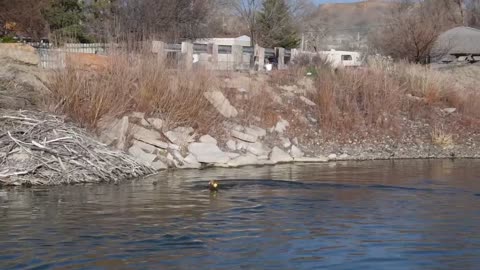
(51, 57)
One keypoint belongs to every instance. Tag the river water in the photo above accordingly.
(415, 214)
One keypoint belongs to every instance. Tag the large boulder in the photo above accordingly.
(180, 136)
(257, 149)
(279, 156)
(159, 165)
(256, 131)
(243, 136)
(157, 143)
(208, 153)
(144, 146)
(221, 103)
(114, 132)
(319, 159)
(141, 155)
(243, 160)
(156, 123)
(191, 162)
(140, 133)
(21, 80)
(232, 145)
(19, 53)
(296, 152)
(286, 143)
(281, 126)
(307, 101)
(137, 150)
(148, 136)
(208, 139)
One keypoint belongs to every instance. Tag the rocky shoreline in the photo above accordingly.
(42, 149)
(183, 148)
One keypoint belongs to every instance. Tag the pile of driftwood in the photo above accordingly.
(40, 149)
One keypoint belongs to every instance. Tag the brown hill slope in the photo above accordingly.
(353, 17)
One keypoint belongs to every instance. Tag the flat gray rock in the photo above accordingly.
(311, 159)
(154, 142)
(279, 156)
(243, 136)
(221, 103)
(256, 131)
(144, 146)
(232, 145)
(208, 139)
(156, 123)
(244, 160)
(281, 126)
(141, 155)
(296, 152)
(140, 133)
(208, 153)
(257, 149)
(180, 136)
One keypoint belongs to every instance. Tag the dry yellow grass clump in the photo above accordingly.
(133, 83)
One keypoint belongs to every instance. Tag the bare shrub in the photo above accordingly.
(381, 98)
(290, 77)
(134, 83)
(354, 100)
(411, 30)
(257, 105)
(441, 138)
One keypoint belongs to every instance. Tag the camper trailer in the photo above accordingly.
(340, 59)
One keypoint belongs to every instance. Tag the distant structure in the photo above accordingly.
(460, 44)
(241, 40)
(337, 59)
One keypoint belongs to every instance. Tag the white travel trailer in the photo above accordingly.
(340, 59)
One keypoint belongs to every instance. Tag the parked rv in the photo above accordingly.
(340, 59)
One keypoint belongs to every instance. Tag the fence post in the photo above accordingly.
(187, 53)
(213, 51)
(281, 57)
(260, 57)
(237, 52)
(293, 54)
(158, 47)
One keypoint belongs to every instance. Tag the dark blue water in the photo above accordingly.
(368, 215)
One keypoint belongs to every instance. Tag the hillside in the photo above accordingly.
(361, 16)
(344, 25)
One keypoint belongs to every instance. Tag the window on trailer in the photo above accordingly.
(347, 57)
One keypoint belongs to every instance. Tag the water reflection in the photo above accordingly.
(367, 215)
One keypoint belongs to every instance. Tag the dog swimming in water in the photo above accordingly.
(213, 185)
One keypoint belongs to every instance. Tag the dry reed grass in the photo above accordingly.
(134, 82)
(353, 100)
(441, 138)
(376, 98)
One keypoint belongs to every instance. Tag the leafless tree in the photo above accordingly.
(170, 20)
(314, 28)
(411, 30)
(25, 15)
(473, 13)
(247, 10)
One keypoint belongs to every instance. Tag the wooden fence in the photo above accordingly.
(185, 55)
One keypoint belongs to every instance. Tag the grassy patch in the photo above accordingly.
(134, 83)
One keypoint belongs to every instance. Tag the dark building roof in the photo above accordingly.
(458, 41)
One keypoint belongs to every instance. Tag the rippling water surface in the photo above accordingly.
(367, 215)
